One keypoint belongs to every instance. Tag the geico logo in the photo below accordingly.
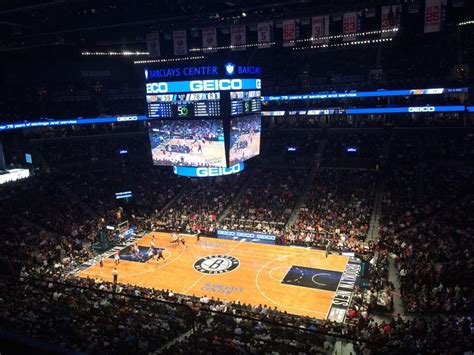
(154, 88)
(214, 85)
(229, 233)
(208, 171)
(422, 109)
(258, 84)
(202, 172)
(127, 118)
(245, 235)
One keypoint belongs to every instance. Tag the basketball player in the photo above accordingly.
(160, 256)
(117, 258)
(115, 275)
(328, 249)
(174, 238)
(198, 235)
(181, 239)
(101, 264)
(152, 243)
(150, 253)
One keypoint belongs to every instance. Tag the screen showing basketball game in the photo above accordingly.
(188, 143)
(244, 138)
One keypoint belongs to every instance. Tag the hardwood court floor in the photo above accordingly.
(256, 278)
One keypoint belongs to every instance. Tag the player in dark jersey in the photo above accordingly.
(159, 255)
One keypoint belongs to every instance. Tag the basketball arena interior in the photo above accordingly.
(237, 177)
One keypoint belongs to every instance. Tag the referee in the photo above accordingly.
(328, 249)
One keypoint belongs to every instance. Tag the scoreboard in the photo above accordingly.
(245, 102)
(184, 105)
(199, 112)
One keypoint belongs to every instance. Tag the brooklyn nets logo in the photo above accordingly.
(216, 264)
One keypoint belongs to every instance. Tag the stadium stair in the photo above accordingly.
(374, 223)
(236, 197)
(322, 145)
(398, 307)
(420, 188)
(170, 203)
(300, 202)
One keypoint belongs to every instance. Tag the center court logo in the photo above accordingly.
(216, 264)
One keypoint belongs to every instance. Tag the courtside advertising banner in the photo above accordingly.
(391, 16)
(264, 33)
(238, 37)
(209, 39)
(320, 28)
(180, 43)
(289, 33)
(246, 236)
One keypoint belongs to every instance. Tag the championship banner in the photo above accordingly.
(320, 28)
(391, 16)
(180, 44)
(433, 15)
(351, 22)
(153, 44)
(238, 37)
(209, 39)
(264, 34)
(289, 33)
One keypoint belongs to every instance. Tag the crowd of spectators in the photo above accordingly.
(268, 201)
(411, 194)
(47, 240)
(434, 260)
(200, 203)
(337, 210)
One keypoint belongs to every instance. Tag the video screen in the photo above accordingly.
(184, 105)
(244, 138)
(188, 143)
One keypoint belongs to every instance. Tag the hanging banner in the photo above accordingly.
(209, 39)
(351, 24)
(289, 33)
(320, 28)
(153, 44)
(391, 16)
(238, 37)
(180, 43)
(264, 34)
(434, 15)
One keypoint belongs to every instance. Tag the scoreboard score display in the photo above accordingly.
(208, 94)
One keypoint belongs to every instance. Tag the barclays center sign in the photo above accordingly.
(228, 69)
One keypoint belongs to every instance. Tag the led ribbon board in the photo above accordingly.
(167, 87)
(208, 172)
(71, 122)
(361, 94)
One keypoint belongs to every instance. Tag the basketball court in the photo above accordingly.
(297, 280)
(253, 148)
(212, 152)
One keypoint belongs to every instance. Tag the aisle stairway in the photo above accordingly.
(300, 202)
(374, 224)
(237, 196)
